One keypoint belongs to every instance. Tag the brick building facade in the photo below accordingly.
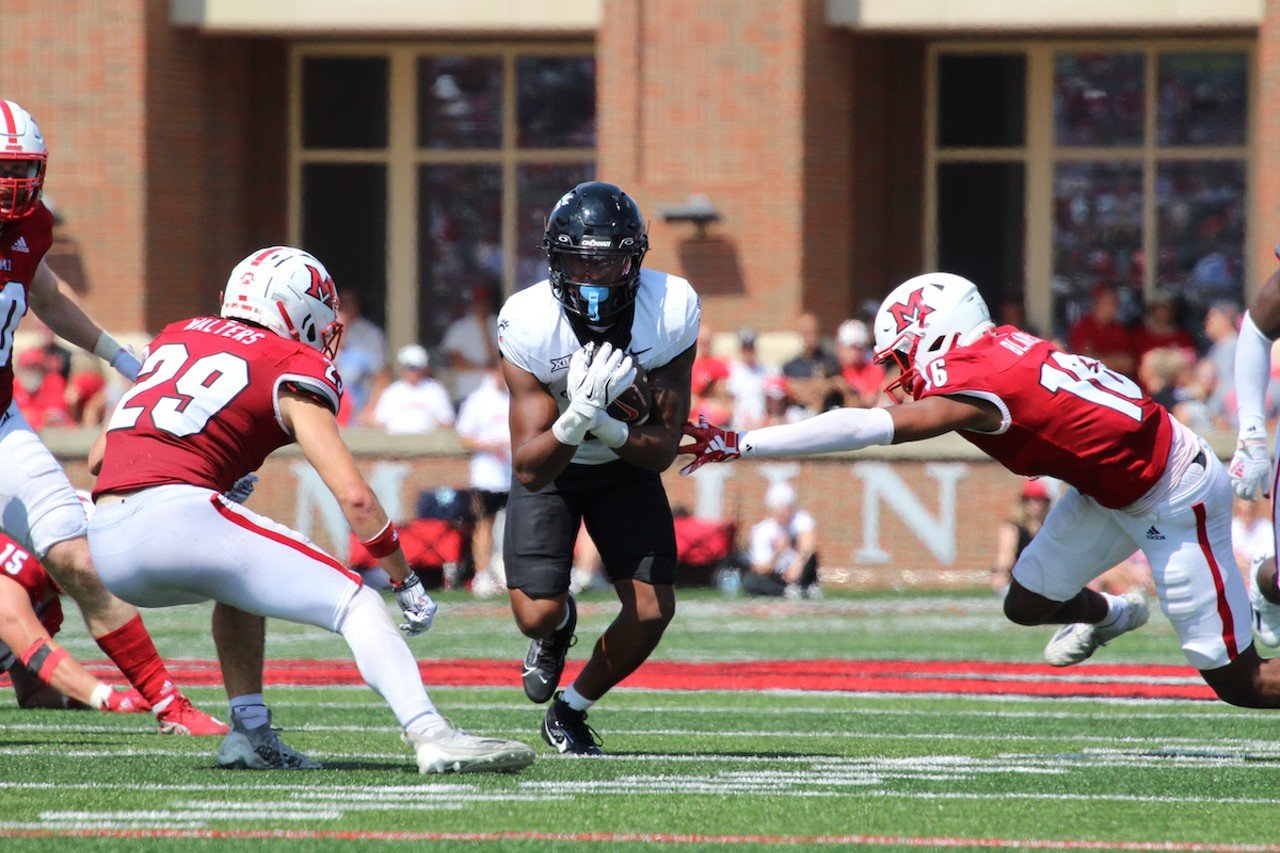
(171, 143)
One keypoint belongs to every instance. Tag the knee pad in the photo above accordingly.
(363, 608)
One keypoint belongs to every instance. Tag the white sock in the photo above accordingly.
(576, 700)
(1117, 612)
(250, 709)
(386, 664)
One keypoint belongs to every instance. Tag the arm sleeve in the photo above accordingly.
(840, 429)
(1252, 372)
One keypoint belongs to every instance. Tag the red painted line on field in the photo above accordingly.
(943, 841)
(847, 676)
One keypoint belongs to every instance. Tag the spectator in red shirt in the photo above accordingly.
(861, 377)
(1160, 328)
(1100, 334)
(710, 381)
(40, 391)
(87, 397)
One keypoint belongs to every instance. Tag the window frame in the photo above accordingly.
(1040, 153)
(402, 157)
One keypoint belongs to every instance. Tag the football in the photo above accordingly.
(632, 406)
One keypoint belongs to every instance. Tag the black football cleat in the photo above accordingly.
(565, 730)
(544, 662)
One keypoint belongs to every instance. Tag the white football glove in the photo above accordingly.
(241, 489)
(1250, 467)
(596, 377)
(418, 607)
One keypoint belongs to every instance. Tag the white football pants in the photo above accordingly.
(1187, 541)
(179, 544)
(38, 505)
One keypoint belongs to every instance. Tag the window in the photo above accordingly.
(421, 176)
(1125, 162)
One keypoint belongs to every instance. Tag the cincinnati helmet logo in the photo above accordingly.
(911, 312)
(322, 289)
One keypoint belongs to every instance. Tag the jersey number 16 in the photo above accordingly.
(1089, 380)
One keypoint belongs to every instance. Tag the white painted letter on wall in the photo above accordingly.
(880, 483)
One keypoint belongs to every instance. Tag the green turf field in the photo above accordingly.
(688, 768)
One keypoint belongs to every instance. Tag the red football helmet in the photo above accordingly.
(22, 162)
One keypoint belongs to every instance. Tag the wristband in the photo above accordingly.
(106, 347)
(41, 659)
(386, 542)
(571, 427)
(612, 432)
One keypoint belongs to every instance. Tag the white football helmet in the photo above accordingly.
(289, 292)
(923, 318)
(23, 157)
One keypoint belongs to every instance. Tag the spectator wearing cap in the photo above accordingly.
(747, 377)
(783, 549)
(471, 342)
(811, 371)
(709, 380)
(1101, 335)
(361, 360)
(1017, 531)
(861, 378)
(39, 390)
(1221, 323)
(414, 403)
(1160, 329)
(779, 406)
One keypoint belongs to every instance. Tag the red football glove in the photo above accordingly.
(126, 702)
(710, 444)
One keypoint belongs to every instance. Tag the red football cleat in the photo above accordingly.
(127, 702)
(180, 717)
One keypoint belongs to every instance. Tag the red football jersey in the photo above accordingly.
(21, 566)
(1068, 416)
(22, 246)
(205, 410)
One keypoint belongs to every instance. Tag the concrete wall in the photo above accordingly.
(912, 516)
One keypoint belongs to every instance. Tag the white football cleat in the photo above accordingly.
(455, 751)
(1266, 615)
(1078, 641)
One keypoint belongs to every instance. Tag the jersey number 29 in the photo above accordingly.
(196, 391)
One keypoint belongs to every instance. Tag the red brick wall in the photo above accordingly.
(827, 488)
(166, 150)
(1265, 168)
(791, 140)
(685, 107)
(76, 67)
(207, 140)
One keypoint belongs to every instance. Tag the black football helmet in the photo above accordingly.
(595, 242)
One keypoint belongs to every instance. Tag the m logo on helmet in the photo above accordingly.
(322, 289)
(911, 312)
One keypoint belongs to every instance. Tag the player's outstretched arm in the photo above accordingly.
(45, 676)
(315, 427)
(655, 445)
(1250, 467)
(842, 430)
(53, 302)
